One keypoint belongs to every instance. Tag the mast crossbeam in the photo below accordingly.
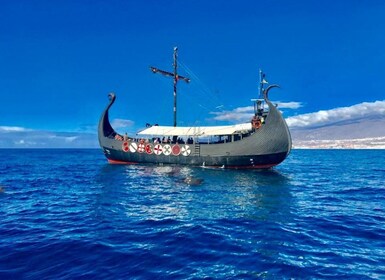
(175, 76)
(168, 74)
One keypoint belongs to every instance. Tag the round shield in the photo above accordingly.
(158, 149)
(133, 147)
(185, 150)
(149, 149)
(141, 148)
(166, 150)
(125, 146)
(175, 150)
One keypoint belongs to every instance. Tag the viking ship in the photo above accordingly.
(262, 143)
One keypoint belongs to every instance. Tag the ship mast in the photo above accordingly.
(175, 76)
(257, 101)
(262, 81)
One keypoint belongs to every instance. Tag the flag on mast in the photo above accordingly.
(264, 80)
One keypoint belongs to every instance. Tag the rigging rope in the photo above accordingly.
(197, 93)
(203, 91)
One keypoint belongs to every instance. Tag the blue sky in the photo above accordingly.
(60, 59)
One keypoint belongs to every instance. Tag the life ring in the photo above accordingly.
(256, 123)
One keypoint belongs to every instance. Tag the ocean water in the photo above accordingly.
(68, 214)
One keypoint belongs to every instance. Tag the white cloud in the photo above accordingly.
(17, 137)
(332, 116)
(289, 105)
(121, 123)
(24, 144)
(244, 114)
(12, 129)
(70, 139)
(247, 109)
(240, 114)
(60, 137)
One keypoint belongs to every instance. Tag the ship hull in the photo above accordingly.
(116, 156)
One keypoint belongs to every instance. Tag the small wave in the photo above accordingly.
(72, 215)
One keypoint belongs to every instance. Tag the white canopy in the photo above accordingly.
(196, 130)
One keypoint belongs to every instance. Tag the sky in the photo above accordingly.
(60, 59)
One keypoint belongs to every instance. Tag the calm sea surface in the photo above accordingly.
(67, 214)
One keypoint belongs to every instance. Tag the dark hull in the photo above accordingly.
(236, 162)
(263, 148)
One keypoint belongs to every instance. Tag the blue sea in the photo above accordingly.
(68, 214)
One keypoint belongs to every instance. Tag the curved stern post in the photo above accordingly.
(105, 129)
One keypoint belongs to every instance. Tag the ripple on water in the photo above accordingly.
(318, 215)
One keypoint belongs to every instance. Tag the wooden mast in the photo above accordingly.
(262, 81)
(175, 80)
(175, 76)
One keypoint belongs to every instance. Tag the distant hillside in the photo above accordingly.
(364, 133)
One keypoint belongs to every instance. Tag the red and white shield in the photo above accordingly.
(149, 149)
(167, 150)
(175, 150)
(125, 146)
(158, 149)
(141, 148)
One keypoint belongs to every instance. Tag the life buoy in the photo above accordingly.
(256, 123)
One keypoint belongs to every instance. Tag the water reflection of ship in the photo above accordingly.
(146, 192)
(263, 195)
(270, 196)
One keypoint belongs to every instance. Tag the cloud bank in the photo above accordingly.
(5, 129)
(340, 115)
(343, 114)
(20, 137)
(121, 123)
(84, 137)
(244, 114)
